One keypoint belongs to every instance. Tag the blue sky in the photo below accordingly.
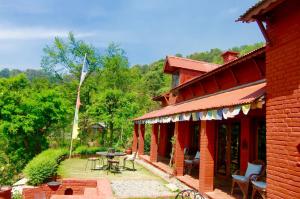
(146, 29)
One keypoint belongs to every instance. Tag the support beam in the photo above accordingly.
(234, 76)
(207, 151)
(154, 143)
(245, 143)
(162, 146)
(216, 82)
(179, 148)
(263, 31)
(257, 68)
(135, 137)
(141, 139)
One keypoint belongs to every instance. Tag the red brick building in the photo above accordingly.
(235, 113)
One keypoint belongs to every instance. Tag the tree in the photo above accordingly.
(27, 113)
(115, 108)
(65, 57)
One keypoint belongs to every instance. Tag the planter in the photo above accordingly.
(54, 185)
(5, 192)
(128, 151)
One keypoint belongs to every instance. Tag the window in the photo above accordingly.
(175, 79)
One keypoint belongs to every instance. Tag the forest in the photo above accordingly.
(37, 106)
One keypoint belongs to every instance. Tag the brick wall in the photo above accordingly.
(283, 101)
(207, 150)
(154, 143)
(77, 186)
(180, 129)
(135, 137)
(141, 145)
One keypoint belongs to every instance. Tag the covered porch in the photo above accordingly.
(226, 141)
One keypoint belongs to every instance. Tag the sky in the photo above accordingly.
(147, 30)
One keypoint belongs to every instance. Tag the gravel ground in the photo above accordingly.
(163, 175)
(146, 188)
(140, 189)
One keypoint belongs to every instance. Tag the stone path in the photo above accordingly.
(163, 175)
(143, 188)
(140, 188)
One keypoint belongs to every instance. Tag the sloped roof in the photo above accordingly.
(173, 62)
(245, 57)
(258, 9)
(227, 98)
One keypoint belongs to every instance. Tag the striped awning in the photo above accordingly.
(223, 104)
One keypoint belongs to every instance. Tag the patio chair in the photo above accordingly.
(254, 170)
(189, 193)
(93, 161)
(113, 166)
(190, 164)
(260, 188)
(130, 158)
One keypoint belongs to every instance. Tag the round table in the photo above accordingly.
(110, 155)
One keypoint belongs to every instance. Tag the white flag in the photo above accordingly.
(84, 71)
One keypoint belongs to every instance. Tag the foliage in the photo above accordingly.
(85, 150)
(37, 106)
(214, 55)
(44, 166)
(66, 56)
(17, 195)
(28, 111)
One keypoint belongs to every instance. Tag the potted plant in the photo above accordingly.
(5, 192)
(128, 149)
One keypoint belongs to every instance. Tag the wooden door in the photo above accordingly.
(227, 148)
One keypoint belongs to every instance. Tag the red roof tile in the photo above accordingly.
(173, 62)
(235, 96)
(258, 9)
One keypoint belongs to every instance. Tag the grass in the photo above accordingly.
(75, 168)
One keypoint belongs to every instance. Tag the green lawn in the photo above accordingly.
(75, 168)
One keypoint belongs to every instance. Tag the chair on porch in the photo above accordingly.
(190, 194)
(130, 158)
(190, 164)
(254, 171)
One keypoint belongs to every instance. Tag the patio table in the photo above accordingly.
(110, 156)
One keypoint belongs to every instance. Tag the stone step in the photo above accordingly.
(90, 192)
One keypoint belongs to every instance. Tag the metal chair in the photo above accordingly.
(254, 171)
(113, 166)
(93, 161)
(130, 158)
(189, 194)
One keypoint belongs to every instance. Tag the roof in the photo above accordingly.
(245, 57)
(235, 96)
(258, 9)
(172, 63)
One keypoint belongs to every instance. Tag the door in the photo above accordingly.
(227, 153)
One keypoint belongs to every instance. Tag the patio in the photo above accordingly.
(221, 187)
(127, 184)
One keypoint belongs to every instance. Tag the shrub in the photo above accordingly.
(85, 150)
(44, 166)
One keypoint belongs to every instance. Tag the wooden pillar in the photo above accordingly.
(245, 143)
(141, 139)
(180, 128)
(207, 148)
(135, 137)
(154, 143)
(162, 146)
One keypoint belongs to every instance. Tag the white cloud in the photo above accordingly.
(29, 33)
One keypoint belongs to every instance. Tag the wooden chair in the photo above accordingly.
(259, 187)
(189, 193)
(190, 164)
(130, 158)
(254, 170)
